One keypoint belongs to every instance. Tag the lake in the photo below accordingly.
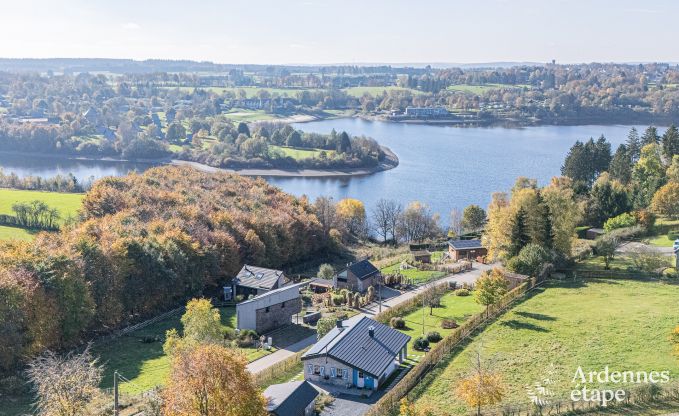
(444, 167)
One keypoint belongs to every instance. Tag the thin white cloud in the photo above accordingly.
(131, 26)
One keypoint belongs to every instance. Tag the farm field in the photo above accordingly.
(67, 204)
(240, 114)
(564, 325)
(458, 308)
(144, 363)
(360, 91)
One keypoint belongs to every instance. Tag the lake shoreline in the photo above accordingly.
(391, 161)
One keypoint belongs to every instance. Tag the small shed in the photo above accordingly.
(466, 249)
(423, 256)
(594, 233)
(319, 285)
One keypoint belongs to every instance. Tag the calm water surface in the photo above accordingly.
(444, 167)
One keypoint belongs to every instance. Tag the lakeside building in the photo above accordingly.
(426, 112)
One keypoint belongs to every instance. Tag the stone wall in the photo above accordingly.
(327, 364)
(277, 315)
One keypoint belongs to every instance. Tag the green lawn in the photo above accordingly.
(68, 205)
(299, 153)
(8, 233)
(622, 324)
(360, 91)
(145, 364)
(661, 239)
(417, 276)
(454, 307)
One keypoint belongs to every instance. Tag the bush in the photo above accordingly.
(449, 324)
(434, 336)
(338, 300)
(621, 221)
(397, 322)
(421, 344)
(462, 292)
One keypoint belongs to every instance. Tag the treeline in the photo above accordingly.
(145, 243)
(642, 174)
(35, 215)
(58, 183)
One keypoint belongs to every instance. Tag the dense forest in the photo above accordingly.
(144, 243)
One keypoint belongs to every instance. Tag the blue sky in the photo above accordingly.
(344, 31)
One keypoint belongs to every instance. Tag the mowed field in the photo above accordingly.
(67, 204)
(622, 324)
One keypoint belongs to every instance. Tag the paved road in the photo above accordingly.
(370, 310)
(632, 246)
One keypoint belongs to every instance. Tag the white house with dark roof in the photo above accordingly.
(252, 280)
(359, 352)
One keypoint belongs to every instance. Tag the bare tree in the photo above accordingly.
(648, 259)
(456, 228)
(326, 212)
(68, 385)
(417, 223)
(385, 218)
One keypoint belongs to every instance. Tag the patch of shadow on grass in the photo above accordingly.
(536, 316)
(514, 324)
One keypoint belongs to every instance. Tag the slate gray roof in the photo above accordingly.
(257, 277)
(363, 269)
(289, 398)
(465, 244)
(353, 346)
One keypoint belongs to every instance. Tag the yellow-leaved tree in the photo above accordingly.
(481, 387)
(201, 325)
(352, 214)
(211, 380)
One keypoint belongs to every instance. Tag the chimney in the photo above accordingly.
(339, 323)
(371, 331)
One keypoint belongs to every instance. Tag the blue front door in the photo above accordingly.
(369, 383)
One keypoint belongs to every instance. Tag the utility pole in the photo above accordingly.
(115, 394)
(379, 292)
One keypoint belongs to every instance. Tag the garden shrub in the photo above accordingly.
(449, 324)
(397, 322)
(434, 336)
(421, 344)
(624, 220)
(462, 292)
(338, 300)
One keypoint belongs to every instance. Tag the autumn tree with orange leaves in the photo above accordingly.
(211, 380)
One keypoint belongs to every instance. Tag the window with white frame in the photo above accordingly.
(317, 369)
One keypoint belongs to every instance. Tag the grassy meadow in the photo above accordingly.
(144, 363)
(622, 324)
(67, 204)
(360, 91)
(299, 153)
